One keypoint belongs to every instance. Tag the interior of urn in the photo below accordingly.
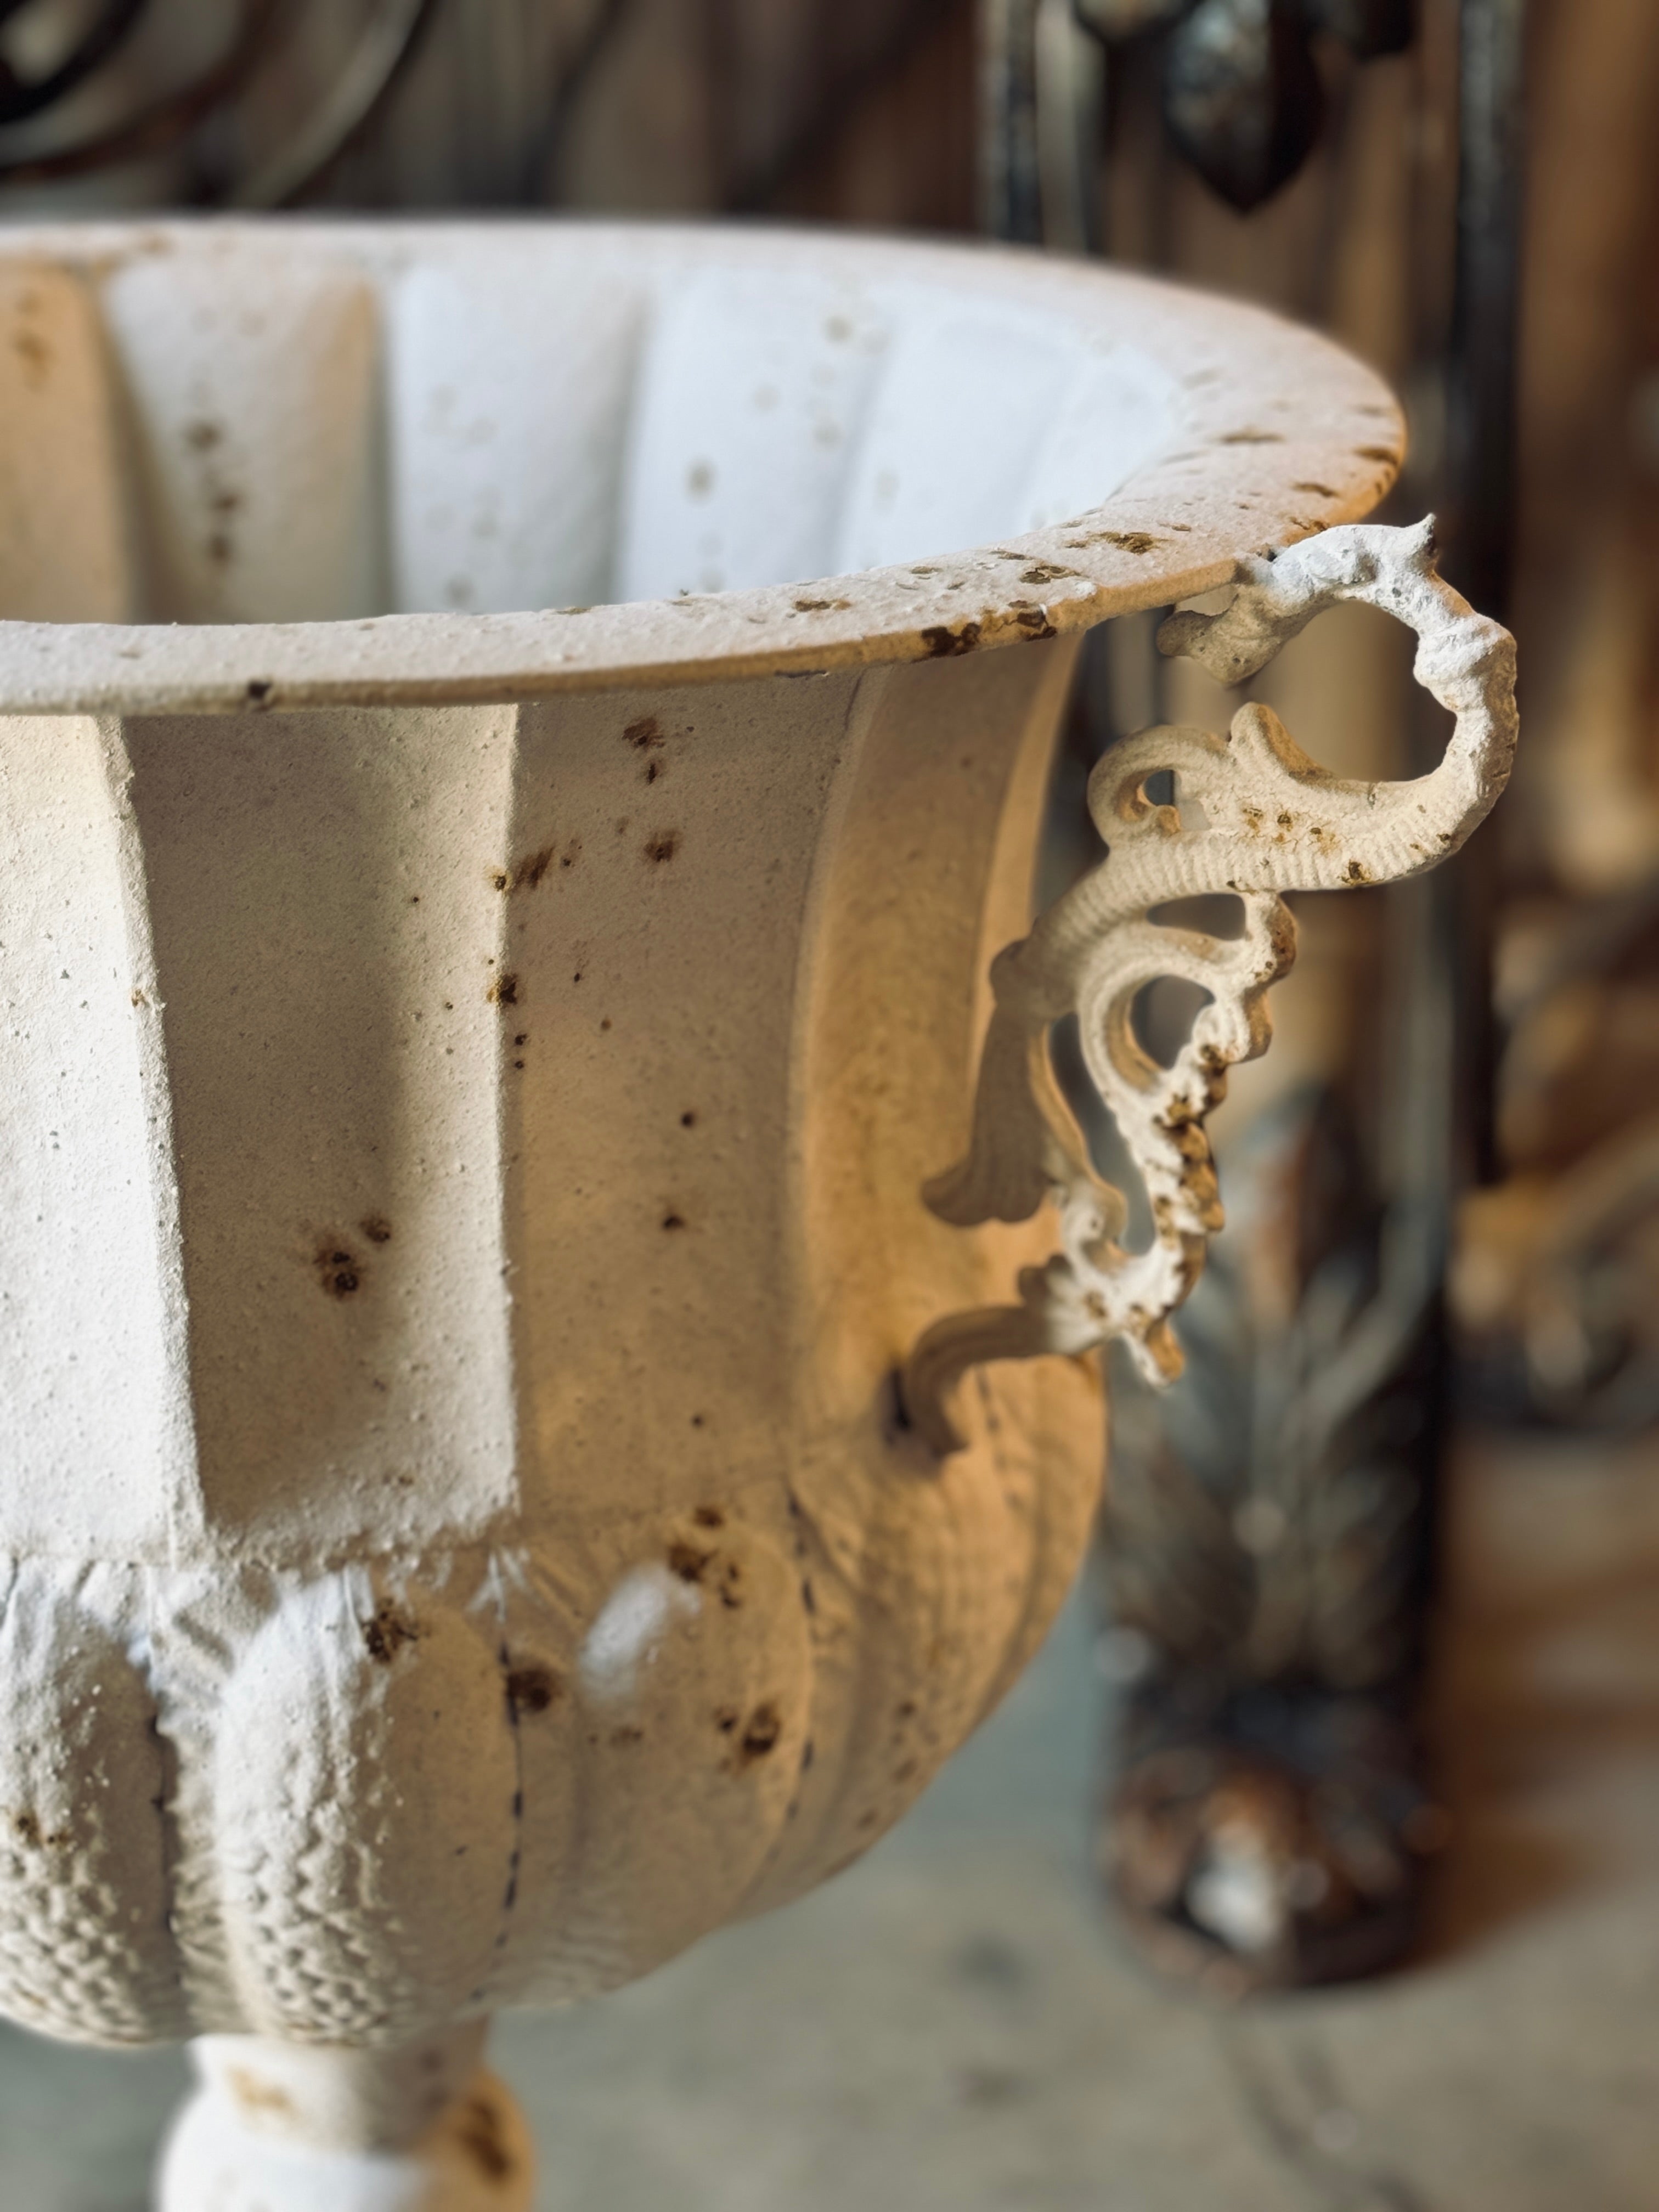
(242, 428)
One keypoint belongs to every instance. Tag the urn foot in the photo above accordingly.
(279, 2127)
(1277, 1842)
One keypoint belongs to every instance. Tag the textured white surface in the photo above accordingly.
(505, 431)
(464, 1201)
(278, 2128)
(753, 391)
(1250, 815)
(521, 1580)
(1034, 445)
(93, 1393)
(249, 382)
(63, 553)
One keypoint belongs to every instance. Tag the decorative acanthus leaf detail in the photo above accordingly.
(1252, 815)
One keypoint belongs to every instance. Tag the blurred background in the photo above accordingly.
(1317, 1862)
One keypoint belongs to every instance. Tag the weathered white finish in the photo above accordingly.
(287, 2127)
(1253, 816)
(462, 1208)
(1107, 441)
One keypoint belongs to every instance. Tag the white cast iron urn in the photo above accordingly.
(539, 1381)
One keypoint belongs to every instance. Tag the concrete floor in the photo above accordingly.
(950, 2025)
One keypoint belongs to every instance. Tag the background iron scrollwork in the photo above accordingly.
(1243, 90)
(1235, 1742)
(1264, 1550)
(253, 103)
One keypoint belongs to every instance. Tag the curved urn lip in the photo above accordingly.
(1281, 434)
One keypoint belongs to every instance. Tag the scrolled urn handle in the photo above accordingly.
(1252, 815)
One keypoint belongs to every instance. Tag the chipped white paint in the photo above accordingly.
(1250, 814)
(1134, 442)
(466, 1129)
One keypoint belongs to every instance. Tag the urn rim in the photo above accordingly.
(1282, 434)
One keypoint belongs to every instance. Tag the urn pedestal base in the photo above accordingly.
(282, 2127)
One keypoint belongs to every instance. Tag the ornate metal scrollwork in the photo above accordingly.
(1251, 815)
(1243, 90)
(314, 130)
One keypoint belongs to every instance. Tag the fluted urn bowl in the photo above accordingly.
(518, 744)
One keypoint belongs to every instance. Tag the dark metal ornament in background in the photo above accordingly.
(1266, 1543)
(1478, 528)
(22, 96)
(1128, 19)
(1266, 1554)
(388, 43)
(1010, 189)
(1265, 1548)
(1479, 502)
(153, 127)
(160, 125)
(1267, 1826)
(1242, 94)
(45, 141)
(1371, 27)
(1561, 1316)
(1042, 104)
